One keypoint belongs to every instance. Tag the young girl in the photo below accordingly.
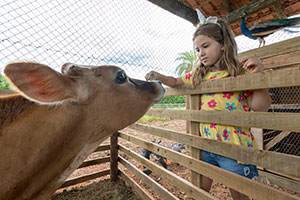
(216, 53)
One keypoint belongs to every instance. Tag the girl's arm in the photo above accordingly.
(167, 80)
(260, 100)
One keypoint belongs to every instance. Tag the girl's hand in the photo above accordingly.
(153, 75)
(252, 64)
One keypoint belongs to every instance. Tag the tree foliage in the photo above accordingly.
(173, 99)
(3, 83)
(187, 59)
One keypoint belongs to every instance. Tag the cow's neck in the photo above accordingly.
(56, 146)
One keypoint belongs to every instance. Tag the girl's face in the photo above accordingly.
(208, 50)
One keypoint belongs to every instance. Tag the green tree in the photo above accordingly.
(187, 58)
(3, 83)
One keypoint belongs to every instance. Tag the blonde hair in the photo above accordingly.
(223, 34)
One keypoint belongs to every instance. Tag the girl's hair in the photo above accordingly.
(223, 34)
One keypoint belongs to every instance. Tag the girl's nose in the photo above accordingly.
(202, 53)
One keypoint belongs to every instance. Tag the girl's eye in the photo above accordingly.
(121, 77)
(205, 46)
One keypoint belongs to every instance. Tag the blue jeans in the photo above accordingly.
(229, 164)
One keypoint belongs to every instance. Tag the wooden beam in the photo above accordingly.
(251, 8)
(279, 10)
(161, 191)
(270, 79)
(227, 5)
(7, 92)
(195, 130)
(178, 8)
(140, 192)
(85, 178)
(281, 181)
(235, 181)
(95, 162)
(276, 49)
(278, 162)
(267, 120)
(103, 148)
(114, 157)
(277, 139)
(183, 184)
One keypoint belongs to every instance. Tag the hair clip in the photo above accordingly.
(213, 20)
(209, 20)
(201, 17)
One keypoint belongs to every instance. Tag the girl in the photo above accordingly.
(216, 53)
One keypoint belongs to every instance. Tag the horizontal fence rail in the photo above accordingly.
(283, 163)
(142, 193)
(275, 49)
(279, 121)
(269, 79)
(165, 194)
(179, 182)
(88, 163)
(231, 179)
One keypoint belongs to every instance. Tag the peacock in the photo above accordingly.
(266, 28)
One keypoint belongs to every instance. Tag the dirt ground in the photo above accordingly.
(93, 189)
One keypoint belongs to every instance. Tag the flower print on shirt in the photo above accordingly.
(249, 144)
(212, 103)
(215, 75)
(240, 131)
(227, 95)
(230, 107)
(206, 132)
(188, 76)
(213, 126)
(219, 137)
(211, 94)
(241, 98)
(245, 108)
(247, 93)
(226, 134)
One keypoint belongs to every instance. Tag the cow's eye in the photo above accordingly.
(121, 77)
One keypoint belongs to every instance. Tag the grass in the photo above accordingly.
(102, 190)
(147, 118)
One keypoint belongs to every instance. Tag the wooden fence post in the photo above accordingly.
(114, 157)
(195, 101)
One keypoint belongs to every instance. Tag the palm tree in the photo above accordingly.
(187, 59)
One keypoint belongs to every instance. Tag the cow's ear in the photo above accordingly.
(39, 82)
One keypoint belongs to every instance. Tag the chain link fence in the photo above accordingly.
(283, 100)
(136, 35)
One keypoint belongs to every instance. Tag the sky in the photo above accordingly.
(136, 35)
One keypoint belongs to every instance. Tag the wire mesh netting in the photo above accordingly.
(133, 34)
(283, 100)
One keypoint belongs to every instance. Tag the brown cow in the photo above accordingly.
(59, 119)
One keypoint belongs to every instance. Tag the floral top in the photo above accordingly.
(225, 101)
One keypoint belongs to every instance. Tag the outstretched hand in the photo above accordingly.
(252, 64)
(152, 75)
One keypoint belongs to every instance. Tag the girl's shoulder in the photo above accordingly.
(187, 78)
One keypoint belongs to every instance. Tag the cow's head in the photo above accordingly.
(105, 92)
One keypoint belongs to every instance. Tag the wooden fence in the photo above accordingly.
(282, 69)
